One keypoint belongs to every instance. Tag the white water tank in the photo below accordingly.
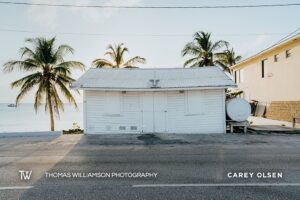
(238, 109)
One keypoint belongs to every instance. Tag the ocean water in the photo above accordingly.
(25, 119)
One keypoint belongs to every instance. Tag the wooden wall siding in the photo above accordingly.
(174, 111)
(210, 119)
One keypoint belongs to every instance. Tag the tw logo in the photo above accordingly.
(25, 175)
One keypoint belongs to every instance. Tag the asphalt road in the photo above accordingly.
(188, 167)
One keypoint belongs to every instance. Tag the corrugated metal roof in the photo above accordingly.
(144, 79)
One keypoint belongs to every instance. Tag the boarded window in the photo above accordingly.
(113, 103)
(194, 102)
(131, 102)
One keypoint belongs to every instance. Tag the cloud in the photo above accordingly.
(51, 16)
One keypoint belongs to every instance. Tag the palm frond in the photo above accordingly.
(132, 61)
(110, 50)
(25, 51)
(65, 67)
(219, 44)
(56, 101)
(19, 65)
(238, 58)
(26, 87)
(117, 54)
(227, 58)
(202, 50)
(32, 77)
(120, 58)
(223, 66)
(191, 49)
(65, 79)
(65, 91)
(191, 62)
(100, 63)
(62, 70)
(40, 93)
(62, 51)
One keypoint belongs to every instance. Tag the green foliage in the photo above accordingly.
(72, 131)
(227, 58)
(232, 94)
(49, 74)
(116, 54)
(75, 130)
(201, 50)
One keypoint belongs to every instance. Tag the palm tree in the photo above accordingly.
(227, 58)
(50, 74)
(116, 53)
(201, 50)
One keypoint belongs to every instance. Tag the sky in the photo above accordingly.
(156, 34)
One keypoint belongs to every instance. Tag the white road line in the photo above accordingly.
(16, 188)
(218, 185)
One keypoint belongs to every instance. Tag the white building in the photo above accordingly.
(165, 100)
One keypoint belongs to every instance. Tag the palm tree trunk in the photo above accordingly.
(51, 119)
(51, 112)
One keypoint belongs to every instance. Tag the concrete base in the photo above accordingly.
(31, 134)
(273, 128)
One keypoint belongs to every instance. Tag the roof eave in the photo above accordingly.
(155, 89)
(267, 50)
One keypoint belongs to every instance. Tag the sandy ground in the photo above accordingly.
(265, 121)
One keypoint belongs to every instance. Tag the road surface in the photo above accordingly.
(192, 167)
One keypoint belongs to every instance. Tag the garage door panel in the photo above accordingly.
(154, 112)
(160, 110)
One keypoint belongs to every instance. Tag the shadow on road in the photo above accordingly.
(201, 163)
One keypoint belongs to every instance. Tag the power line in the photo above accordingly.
(290, 35)
(133, 34)
(150, 7)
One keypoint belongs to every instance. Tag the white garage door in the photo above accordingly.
(154, 112)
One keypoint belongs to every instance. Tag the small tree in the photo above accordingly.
(116, 53)
(227, 58)
(232, 94)
(50, 73)
(201, 50)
